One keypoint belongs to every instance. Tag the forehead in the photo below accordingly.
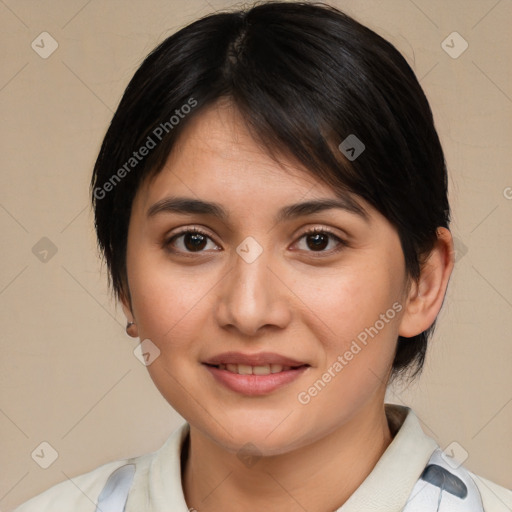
(217, 146)
(217, 159)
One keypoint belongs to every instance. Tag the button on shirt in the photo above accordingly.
(157, 487)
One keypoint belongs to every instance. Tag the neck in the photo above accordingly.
(320, 476)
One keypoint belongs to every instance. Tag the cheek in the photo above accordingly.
(164, 295)
(349, 301)
(356, 318)
(166, 305)
(355, 315)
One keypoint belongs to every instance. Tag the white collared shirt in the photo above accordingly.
(157, 486)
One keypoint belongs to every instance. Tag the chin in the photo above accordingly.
(259, 440)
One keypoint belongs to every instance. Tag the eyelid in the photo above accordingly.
(185, 230)
(342, 241)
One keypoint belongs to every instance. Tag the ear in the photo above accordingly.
(426, 297)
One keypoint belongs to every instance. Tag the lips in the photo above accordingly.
(254, 374)
(254, 360)
(254, 383)
(245, 369)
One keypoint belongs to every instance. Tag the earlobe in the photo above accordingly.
(426, 296)
(131, 326)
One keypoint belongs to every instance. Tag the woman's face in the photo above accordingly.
(254, 283)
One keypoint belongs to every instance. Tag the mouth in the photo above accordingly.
(254, 374)
(245, 369)
(255, 380)
(261, 363)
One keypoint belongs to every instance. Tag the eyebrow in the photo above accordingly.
(188, 205)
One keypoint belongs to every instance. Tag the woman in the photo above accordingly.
(271, 202)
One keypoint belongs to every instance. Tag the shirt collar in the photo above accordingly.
(391, 481)
(386, 488)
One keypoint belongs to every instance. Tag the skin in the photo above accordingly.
(298, 301)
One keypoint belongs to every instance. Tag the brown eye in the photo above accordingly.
(193, 241)
(317, 240)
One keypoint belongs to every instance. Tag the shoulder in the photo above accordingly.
(82, 493)
(79, 494)
(495, 498)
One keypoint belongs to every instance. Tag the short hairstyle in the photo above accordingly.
(304, 77)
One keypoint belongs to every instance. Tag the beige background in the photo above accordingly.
(67, 372)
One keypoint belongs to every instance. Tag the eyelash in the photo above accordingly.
(313, 231)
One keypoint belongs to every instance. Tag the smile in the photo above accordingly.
(254, 380)
(245, 369)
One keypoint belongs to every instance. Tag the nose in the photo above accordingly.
(253, 297)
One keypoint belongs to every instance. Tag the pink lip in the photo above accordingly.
(259, 359)
(254, 385)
